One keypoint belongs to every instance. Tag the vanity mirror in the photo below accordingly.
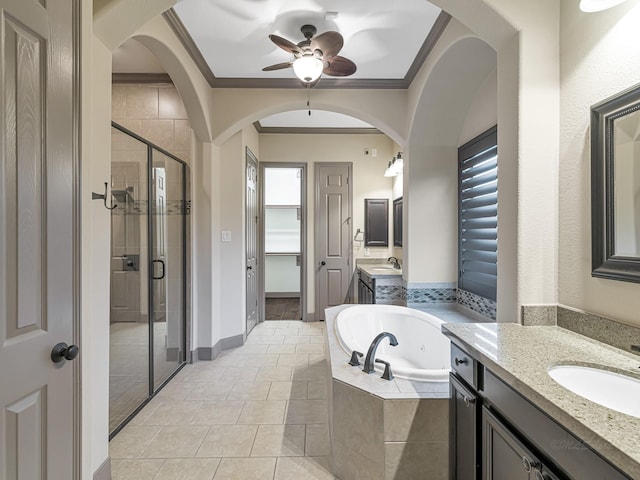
(615, 187)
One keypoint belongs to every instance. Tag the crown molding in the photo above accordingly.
(315, 130)
(185, 38)
(189, 44)
(141, 78)
(429, 43)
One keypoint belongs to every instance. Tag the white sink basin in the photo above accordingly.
(609, 389)
(384, 269)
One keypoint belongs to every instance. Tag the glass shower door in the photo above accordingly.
(167, 265)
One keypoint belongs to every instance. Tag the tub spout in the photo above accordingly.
(371, 353)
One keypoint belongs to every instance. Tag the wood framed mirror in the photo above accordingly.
(615, 187)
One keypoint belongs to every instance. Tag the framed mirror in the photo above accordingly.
(615, 187)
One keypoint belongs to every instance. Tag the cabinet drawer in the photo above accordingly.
(562, 448)
(465, 366)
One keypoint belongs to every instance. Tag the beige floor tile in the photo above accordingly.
(202, 375)
(287, 391)
(316, 339)
(279, 441)
(303, 468)
(267, 360)
(132, 440)
(249, 391)
(261, 329)
(122, 469)
(287, 332)
(310, 373)
(247, 350)
(223, 412)
(175, 390)
(294, 360)
(317, 359)
(217, 390)
(228, 441)
(262, 412)
(310, 348)
(176, 442)
(173, 413)
(274, 374)
(246, 469)
(306, 411)
(317, 390)
(317, 440)
(297, 339)
(224, 360)
(265, 339)
(318, 332)
(287, 349)
(145, 412)
(188, 469)
(240, 374)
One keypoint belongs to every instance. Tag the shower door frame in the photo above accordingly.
(185, 324)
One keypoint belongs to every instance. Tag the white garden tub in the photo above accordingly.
(422, 353)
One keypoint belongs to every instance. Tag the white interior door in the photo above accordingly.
(252, 241)
(38, 246)
(159, 262)
(333, 235)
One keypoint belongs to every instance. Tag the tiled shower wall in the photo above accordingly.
(155, 112)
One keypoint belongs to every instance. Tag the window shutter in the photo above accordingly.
(478, 215)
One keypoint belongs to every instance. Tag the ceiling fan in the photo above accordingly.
(314, 56)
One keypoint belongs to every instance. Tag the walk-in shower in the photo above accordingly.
(148, 272)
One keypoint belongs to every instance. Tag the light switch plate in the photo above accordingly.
(226, 236)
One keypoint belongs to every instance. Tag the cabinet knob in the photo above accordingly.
(526, 463)
(459, 362)
(468, 401)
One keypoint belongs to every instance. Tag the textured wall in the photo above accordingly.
(600, 56)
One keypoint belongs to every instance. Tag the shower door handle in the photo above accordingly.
(161, 262)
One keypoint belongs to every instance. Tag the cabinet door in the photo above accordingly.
(376, 222)
(505, 457)
(464, 444)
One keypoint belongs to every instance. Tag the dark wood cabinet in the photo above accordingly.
(505, 457)
(376, 222)
(397, 222)
(497, 434)
(464, 406)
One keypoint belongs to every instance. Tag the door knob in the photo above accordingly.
(62, 351)
(323, 263)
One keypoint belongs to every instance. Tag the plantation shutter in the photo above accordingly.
(478, 215)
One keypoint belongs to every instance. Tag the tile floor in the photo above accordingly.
(256, 412)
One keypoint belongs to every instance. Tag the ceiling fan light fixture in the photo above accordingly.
(598, 5)
(308, 68)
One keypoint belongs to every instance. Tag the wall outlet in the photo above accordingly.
(367, 252)
(226, 236)
(374, 152)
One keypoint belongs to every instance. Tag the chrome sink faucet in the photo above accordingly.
(395, 262)
(371, 353)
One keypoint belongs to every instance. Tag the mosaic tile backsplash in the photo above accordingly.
(426, 294)
(478, 304)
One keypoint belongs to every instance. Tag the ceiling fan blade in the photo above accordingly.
(285, 44)
(329, 42)
(277, 66)
(339, 67)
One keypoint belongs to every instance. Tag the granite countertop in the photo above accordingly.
(380, 269)
(521, 356)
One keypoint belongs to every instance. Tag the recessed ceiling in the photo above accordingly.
(381, 37)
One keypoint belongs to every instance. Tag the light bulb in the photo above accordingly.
(308, 68)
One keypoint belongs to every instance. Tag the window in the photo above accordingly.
(478, 215)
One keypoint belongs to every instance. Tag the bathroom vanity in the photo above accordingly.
(510, 420)
(379, 283)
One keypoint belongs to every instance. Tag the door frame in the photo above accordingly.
(76, 166)
(251, 157)
(303, 234)
(317, 256)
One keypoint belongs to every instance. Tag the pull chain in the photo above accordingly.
(309, 98)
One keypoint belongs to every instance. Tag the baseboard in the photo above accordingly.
(282, 295)
(104, 471)
(210, 353)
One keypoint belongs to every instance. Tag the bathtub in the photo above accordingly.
(422, 353)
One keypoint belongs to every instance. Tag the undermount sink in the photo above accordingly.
(609, 389)
(385, 269)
